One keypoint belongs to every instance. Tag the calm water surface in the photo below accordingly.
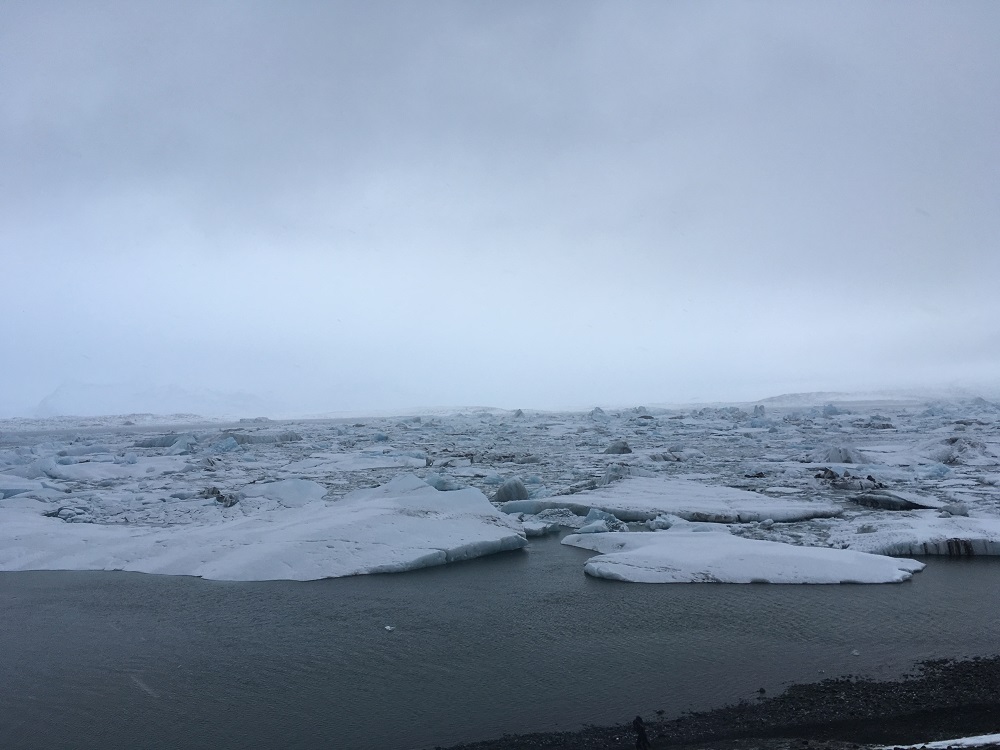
(517, 642)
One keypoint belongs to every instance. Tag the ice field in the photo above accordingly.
(788, 490)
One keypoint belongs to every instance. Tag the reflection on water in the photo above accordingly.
(517, 642)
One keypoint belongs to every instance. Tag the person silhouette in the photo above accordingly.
(641, 740)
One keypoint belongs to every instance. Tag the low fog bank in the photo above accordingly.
(75, 399)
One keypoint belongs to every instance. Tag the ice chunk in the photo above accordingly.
(842, 454)
(643, 499)
(535, 528)
(331, 463)
(227, 445)
(618, 447)
(960, 450)
(598, 521)
(511, 490)
(617, 471)
(164, 441)
(897, 500)
(84, 450)
(99, 471)
(442, 482)
(661, 522)
(560, 517)
(244, 438)
(11, 485)
(682, 556)
(399, 526)
(290, 493)
(921, 533)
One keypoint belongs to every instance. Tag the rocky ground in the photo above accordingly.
(942, 700)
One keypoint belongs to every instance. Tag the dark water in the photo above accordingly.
(518, 642)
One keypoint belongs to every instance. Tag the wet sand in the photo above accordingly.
(941, 700)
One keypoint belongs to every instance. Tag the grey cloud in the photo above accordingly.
(531, 202)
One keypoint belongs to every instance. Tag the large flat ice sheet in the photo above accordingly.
(644, 498)
(682, 556)
(400, 526)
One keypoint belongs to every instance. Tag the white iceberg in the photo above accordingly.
(403, 525)
(643, 499)
(680, 555)
(920, 533)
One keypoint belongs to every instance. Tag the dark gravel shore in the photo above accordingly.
(942, 700)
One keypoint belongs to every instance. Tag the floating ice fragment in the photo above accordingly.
(683, 556)
(399, 526)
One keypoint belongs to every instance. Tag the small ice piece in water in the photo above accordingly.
(598, 521)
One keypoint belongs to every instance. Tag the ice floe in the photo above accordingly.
(712, 555)
(921, 533)
(645, 498)
(400, 526)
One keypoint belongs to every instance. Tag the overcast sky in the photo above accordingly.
(321, 206)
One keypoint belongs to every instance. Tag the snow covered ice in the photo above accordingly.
(701, 555)
(295, 534)
(642, 499)
(317, 498)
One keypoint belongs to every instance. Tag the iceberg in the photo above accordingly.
(402, 525)
(921, 533)
(511, 490)
(680, 555)
(645, 498)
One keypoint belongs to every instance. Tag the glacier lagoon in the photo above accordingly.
(520, 641)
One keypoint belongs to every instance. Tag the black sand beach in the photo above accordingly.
(941, 700)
